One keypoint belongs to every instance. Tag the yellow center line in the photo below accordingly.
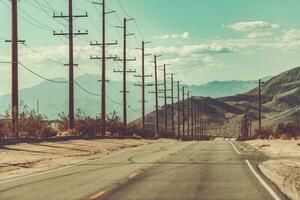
(97, 195)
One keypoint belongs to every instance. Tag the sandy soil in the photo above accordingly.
(283, 166)
(25, 158)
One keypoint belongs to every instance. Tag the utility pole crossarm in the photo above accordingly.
(127, 71)
(128, 59)
(96, 43)
(145, 85)
(100, 58)
(67, 33)
(61, 15)
(141, 76)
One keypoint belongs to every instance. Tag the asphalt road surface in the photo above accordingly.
(174, 171)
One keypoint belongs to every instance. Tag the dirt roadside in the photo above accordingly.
(283, 164)
(27, 158)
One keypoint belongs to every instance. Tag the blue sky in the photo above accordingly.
(203, 40)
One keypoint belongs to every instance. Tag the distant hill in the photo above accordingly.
(222, 115)
(280, 99)
(223, 88)
(53, 97)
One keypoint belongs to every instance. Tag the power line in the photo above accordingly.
(55, 81)
(123, 9)
(87, 91)
(40, 76)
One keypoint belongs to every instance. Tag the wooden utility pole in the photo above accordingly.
(192, 117)
(143, 84)
(188, 114)
(125, 71)
(165, 97)
(178, 110)
(259, 105)
(14, 68)
(195, 118)
(103, 58)
(156, 98)
(197, 121)
(201, 120)
(183, 112)
(71, 64)
(165, 100)
(172, 104)
(14, 64)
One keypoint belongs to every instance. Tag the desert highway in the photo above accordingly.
(175, 171)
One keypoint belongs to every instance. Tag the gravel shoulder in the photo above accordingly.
(283, 164)
(28, 158)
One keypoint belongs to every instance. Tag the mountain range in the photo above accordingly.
(53, 97)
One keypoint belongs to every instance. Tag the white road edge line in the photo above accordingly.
(235, 148)
(266, 186)
(70, 166)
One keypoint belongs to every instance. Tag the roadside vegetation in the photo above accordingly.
(34, 125)
(281, 131)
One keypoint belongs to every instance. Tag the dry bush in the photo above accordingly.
(32, 124)
(265, 133)
(89, 126)
(290, 130)
(85, 125)
(114, 125)
(282, 131)
(5, 125)
(62, 122)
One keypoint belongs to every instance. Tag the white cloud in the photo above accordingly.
(291, 35)
(188, 50)
(184, 35)
(254, 35)
(252, 26)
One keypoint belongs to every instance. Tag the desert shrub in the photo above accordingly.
(32, 124)
(265, 133)
(90, 126)
(62, 122)
(289, 130)
(5, 128)
(282, 131)
(113, 124)
(5, 125)
(86, 125)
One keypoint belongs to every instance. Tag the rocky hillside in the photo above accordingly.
(280, 99)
